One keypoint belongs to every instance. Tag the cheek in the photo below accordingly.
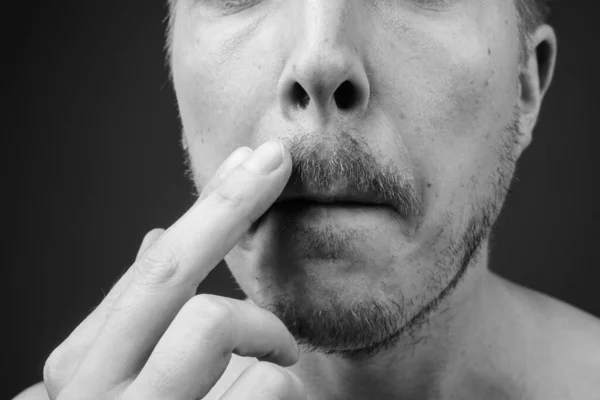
(459, 96)
(472, 102)
(221, 84)
(478, 102)
(468, 89)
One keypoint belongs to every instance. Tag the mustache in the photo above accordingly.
(324, 162)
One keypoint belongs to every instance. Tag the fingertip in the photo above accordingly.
(235, 159)
(243, 151)
(267, 158)
(238, 156)
(289, 356)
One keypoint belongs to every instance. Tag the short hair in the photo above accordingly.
(532, 13)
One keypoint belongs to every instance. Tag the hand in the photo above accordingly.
(153, 338)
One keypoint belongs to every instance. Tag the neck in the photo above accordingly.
(453, 340)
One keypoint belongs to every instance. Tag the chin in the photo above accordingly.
(351, 284)
(340, 284)
(320, 252)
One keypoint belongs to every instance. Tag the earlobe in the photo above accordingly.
(535, 76)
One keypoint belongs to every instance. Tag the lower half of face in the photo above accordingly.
(441, 90)
(352, 280)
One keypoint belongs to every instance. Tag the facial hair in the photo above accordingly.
(365, 328)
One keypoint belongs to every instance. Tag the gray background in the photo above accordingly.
(93, 161)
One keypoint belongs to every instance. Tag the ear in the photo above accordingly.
(535, 77)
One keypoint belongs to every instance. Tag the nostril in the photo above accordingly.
(300, 96)
(345, 95)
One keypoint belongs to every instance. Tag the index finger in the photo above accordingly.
(169, 272)
(77, 344)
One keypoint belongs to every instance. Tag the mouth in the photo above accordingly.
(340, 207)
(300, 203)
(339, 196)
(354, 212)
(341, 204)
(342, 198)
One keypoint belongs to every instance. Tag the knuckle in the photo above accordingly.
(273, 376)
(157, 266)
(58, 367)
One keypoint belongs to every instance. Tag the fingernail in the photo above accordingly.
(267, 158)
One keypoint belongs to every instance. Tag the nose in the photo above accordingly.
(324, 75)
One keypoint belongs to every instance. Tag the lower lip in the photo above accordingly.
(381, 223)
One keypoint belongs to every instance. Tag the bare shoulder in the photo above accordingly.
(567, 349)
(35, 392)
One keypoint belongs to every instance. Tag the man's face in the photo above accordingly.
(406, 102)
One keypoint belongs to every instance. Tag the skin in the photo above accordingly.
(441, 125)
(151, 335)
(384, 304)
(437, 86)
